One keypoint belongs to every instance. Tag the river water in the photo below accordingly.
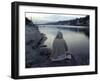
(78, 42)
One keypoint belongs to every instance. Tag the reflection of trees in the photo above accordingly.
(83, 30)
(86, 32)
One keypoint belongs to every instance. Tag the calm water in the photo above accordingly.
(78, 42)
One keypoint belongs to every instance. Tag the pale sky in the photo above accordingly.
(40, 18)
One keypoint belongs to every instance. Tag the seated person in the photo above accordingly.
(59, 48)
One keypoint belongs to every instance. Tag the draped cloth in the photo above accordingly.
(59, 48)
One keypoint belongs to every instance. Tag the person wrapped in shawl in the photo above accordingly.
(59, 48)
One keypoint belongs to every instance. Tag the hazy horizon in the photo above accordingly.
(42, 18)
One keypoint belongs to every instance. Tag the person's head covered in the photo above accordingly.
(59, 35)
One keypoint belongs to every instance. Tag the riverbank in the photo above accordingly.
(46, 62)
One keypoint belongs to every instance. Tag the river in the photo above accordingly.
(77, 41)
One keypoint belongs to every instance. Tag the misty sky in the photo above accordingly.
(41, 18)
